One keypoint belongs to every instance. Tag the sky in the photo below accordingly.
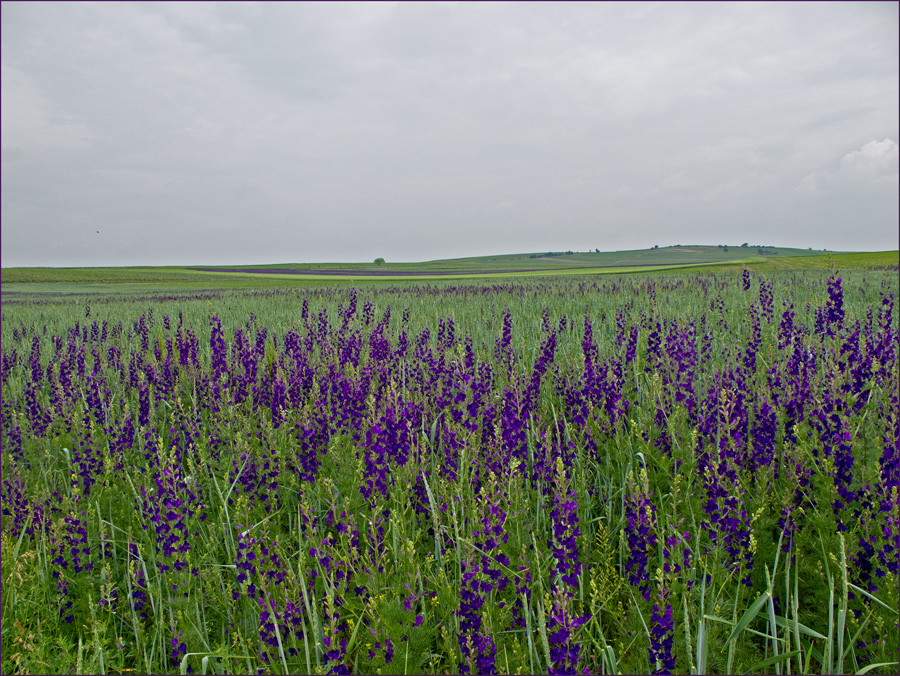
(247, 133)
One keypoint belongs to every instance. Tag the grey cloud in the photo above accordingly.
(210, 132)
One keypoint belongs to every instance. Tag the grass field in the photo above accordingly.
(674, 255)
(21, 282)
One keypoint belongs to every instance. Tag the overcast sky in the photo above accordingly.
(301, 132)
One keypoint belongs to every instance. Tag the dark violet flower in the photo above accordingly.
(179, 650)
(168, 509)
(662, 633)
(482, 575)
(763, 433)
(727, 522)
(71, 554)
(562, 625)
(834, 307)
(12, 432)
(565, 529)
(27, 513)
(640, 534)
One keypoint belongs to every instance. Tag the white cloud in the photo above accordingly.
(872, 169)
(875, 162)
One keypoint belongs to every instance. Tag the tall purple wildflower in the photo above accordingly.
(565, 529)
(831, 421)
(676, 558)
(12, 433)
(27, 514)
(261, 577)
(87, 459)
(662, 632)
(478, 648)
(311, 434)
(504, 352)
(35, 411)
(564, 620)
(640, 533)
(138, 581)
(727, 522)
(482, 575)
(69, 545)
(786, 329)
(767, 301)
(763, 432)
(170, 506)
(834, 307)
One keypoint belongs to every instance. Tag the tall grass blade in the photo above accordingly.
(873, 667)
(777, 659)
(748, 616)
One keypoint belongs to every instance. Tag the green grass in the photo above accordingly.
(674, 255)
(720, 626)
(134, 281)
(874, 259)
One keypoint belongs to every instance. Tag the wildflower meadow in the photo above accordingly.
(673, 473)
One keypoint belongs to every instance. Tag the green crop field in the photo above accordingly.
(22, 282)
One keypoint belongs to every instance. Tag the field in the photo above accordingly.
(19, 282)
(690, 471)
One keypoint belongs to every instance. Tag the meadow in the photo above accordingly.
(692, 472)
(26, 282)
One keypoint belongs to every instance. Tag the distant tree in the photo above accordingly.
(745, 245)
(596, 250)
(568, 253)
(379, 261)
(725, 248)
(656, 246)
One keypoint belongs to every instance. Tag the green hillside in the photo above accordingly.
(136, 280)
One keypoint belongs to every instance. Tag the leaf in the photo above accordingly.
(749, 616)
(782, 622)
(881, 603)
(759, 666)
(866, 670)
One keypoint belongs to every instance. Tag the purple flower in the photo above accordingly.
(662, 633)
(562, 625)
(565, 529)
(179, 649)
(834, 307)
(640, 534)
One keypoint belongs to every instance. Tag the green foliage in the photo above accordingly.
(718, 628)
(144, 280)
